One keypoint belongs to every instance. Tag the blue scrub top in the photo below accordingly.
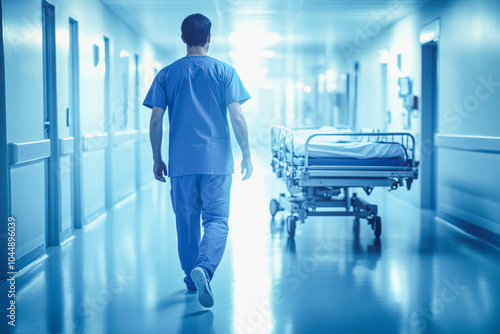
(197, 91)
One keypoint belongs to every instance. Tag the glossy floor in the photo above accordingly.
(123, 275)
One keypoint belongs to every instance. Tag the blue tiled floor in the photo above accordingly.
(123, 275)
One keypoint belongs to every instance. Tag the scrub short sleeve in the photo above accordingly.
(235, 91)
(157, 96)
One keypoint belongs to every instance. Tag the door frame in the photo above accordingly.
(137, 123)
(75, 131)
(386, 118)
(353, 114)
(53, 172)
(4, 165)
(108, 128)
(429, 126)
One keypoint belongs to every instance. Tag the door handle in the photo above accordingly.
(46, 126)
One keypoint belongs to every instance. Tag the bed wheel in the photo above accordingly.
(274, 207)
(377, 227)
(356, 226)
(291, 224)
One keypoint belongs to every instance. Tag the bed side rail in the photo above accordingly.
(281, 139)
(405, 139)
(282, 145)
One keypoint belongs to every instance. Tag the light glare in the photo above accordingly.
(251, 54)
(249, 68)
(321, 83)
(254, 37)
(384, 56)
(330, 75)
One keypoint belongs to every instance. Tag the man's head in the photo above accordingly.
(196, 30)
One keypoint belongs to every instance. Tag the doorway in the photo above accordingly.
(53, 217)
(429, 125)
(342, 119)
(4, 167)
(137, 123)
(386, 118)
(108, 126)
(74, 124)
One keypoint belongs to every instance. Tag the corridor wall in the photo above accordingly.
(467, 139)
(113, 152)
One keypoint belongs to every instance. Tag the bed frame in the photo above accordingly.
(324, 190)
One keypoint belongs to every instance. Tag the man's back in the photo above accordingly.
(197, 91)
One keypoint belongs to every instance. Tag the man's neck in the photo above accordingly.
(196, 50)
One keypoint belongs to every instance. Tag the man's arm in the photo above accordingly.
(241, 133)
(155, 136)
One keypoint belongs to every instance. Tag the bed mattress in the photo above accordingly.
(348, 147)
(300, 161)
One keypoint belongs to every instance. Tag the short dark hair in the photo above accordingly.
(195, 29)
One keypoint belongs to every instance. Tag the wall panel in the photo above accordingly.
(93, 184)
(23, 53)
(468, 100)
(28, 206)
(124, 171)
(22, 30)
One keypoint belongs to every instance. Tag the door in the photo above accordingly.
(342, 119)
(137, 123)
(428, 168)
(386, 120)
(107, 125)
(74, 123)
(4, 169)
(53, 219)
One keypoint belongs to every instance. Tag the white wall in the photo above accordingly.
(468, 49)
(22, 31)
(24, 106)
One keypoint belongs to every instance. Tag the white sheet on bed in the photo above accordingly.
(343, 146)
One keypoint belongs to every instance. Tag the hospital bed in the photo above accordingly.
(320, 166)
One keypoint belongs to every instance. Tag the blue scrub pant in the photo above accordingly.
(206, 195)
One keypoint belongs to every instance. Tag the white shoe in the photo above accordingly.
(205, 296)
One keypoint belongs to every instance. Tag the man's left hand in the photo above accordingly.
(246, 168)
(160, 170)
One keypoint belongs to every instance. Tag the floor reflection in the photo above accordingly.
(123, 275)
(195, 320)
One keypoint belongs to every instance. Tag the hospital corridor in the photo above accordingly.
(257, 166)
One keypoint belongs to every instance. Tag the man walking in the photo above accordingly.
(198, 91)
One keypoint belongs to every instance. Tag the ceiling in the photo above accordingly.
(311, 31)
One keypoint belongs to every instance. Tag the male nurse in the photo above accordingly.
(199, 91)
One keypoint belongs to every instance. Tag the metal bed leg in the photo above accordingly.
(368, 211)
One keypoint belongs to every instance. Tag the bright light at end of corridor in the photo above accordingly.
(330, 78)
(330, 75)
(254, 37)
(384, 56)
(248, 71)
(251, 54)
(124, 54)
(321, 83)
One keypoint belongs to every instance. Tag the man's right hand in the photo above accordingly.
(246, 168)
(159, 170)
